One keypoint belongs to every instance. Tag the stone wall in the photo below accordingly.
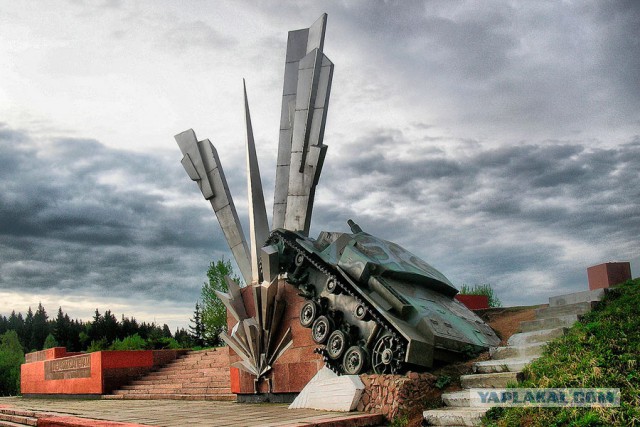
(393, 395)
(56, 372)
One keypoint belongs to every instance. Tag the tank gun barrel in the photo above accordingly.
(355, 228)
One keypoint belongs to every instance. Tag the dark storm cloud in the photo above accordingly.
(491, 213)
(538, 69)
(78, 216)
(621, 49)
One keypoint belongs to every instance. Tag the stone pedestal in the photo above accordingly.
(295, 368)
(608, 274)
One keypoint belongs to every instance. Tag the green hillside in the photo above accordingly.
(603, 350)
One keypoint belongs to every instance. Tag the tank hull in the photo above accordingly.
(372, 305)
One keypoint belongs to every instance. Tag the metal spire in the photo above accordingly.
(258, 222)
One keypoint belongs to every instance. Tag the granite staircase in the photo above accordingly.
(17, 418)
(506, 363)
(197, 375)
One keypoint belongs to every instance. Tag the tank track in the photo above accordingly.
(399, 342)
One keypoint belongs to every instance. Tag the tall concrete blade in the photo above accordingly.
(299, 44)
(315, 72)
(200, 160)
(258, 222)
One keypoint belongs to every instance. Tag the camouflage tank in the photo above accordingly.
(372, 305)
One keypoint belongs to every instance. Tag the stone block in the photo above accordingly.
(564, 310)
(502, 365)
(495, 380)
(330, 392)
(548, 323)
(543, 335)
(608, 274)
(474, 302)
(577, 297)
(517, 351)
(454, 416)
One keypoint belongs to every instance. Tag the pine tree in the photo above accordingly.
(61, 330)
(197, 329)
(40, 328)
(27, 331)
(166, 332)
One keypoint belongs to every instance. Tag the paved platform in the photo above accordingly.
(170, 413)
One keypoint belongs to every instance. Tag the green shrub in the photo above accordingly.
(443, 381)
(163, 343)
(133, 342)
(484, 289)
(98, 345)
(50, 342)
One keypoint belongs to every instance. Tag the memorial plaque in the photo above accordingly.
(68, 367)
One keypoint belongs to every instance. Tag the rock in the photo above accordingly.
(330, 392)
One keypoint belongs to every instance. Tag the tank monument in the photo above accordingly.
(368, 304)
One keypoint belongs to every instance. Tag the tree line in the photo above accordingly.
(36, 331)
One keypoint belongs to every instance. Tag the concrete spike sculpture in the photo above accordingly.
(200, 160)
(307, 82)
(305, 99)
(369, 304)
(258, 222)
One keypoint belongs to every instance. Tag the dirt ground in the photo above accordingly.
(506, 322)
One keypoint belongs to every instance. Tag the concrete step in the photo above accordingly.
(207, 391)
(153, 396)
(576, 297)
(205, 355)
(182, 367)
(543, 335)
(493, 380)
(458, 399)
(183, 389)
(517, 351)
(188, 374)
(12, 424)
(563, 310)
(13, 417)
(454, 416)
(552, 322)
(502, 365)
(178, 381)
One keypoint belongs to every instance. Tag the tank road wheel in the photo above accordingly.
(337, 344)
(309, 313)
(386, 358)
(332, 286)
(355, 360)
(321, 329)
(361, 312)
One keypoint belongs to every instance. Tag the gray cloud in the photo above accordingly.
(492, 214)
(77, 216)
(510, 157)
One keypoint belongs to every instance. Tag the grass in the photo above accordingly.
(602, 350)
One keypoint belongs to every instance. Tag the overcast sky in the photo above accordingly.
(499, 141)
